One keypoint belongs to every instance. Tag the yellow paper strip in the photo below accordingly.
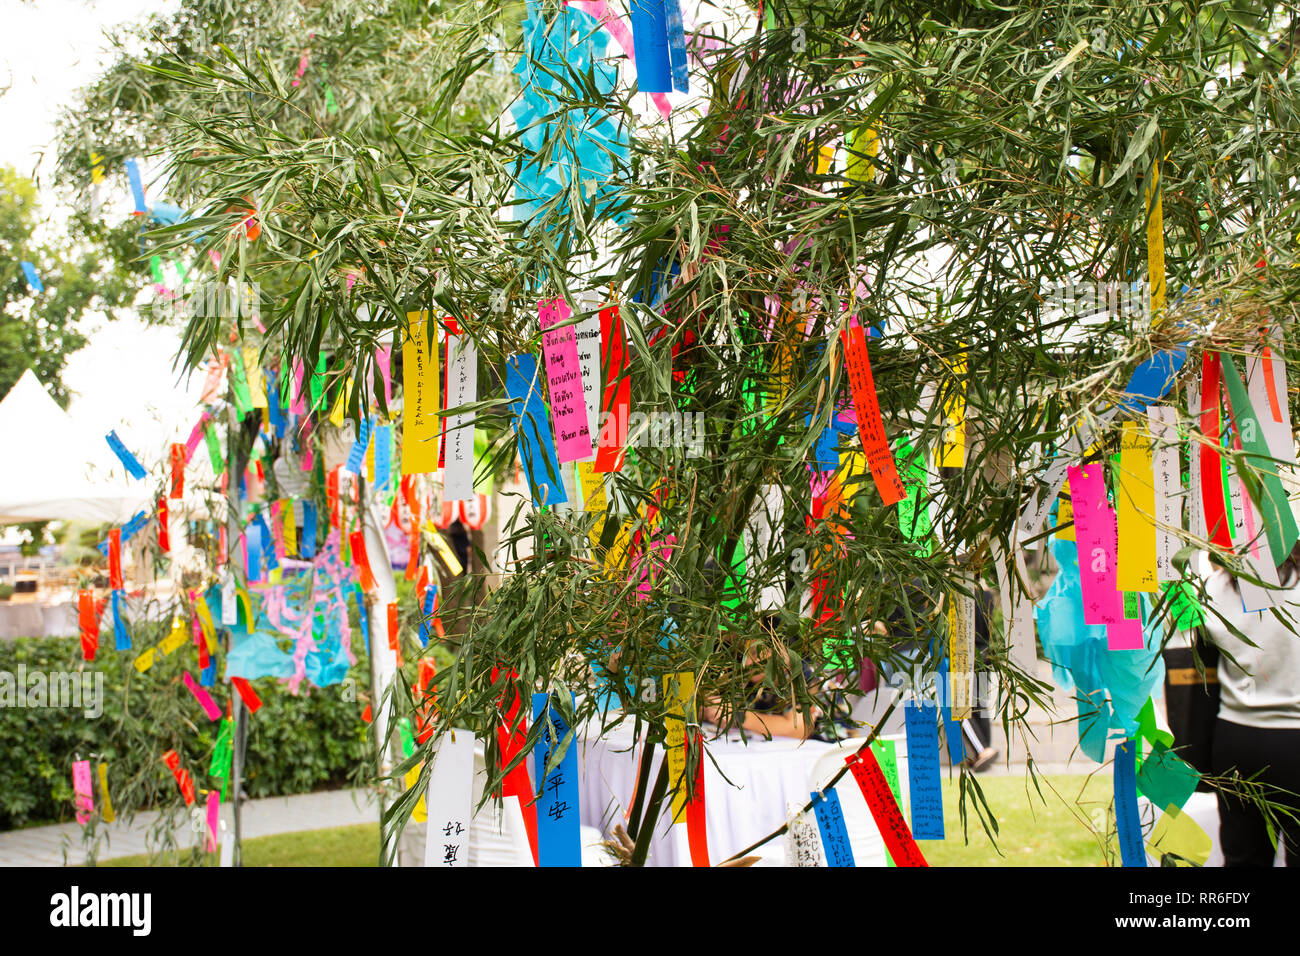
(1176, 832)
(144, 661)
(290, 526)
(176, 639)
(1065, 514)
(106, 803)
(256, 382)
(1135, 504)
(1155, 245)
(445, 552)
(961, 653)
(952, 450)
(420, 396)
(679, 693)
(205, 621)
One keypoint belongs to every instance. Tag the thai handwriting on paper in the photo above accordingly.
(564, 377)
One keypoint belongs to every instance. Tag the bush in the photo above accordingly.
(296, 744)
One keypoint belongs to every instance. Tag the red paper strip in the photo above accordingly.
(696, 832)
(89, 622)
(179, 454)
(115, 559)
(164, 531)
(332, 497)
(870, 426)
(616, 401)
(413, 558)
(357, 541)
(1273, 406)
(424, 699)
(884, 809)
(183, 779)
(510, 746)
(247, 694)
(1216, 514)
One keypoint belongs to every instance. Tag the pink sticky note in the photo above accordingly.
(384, 359)
(203, 697)
(82, 787)
(214, 810)
(564, 376)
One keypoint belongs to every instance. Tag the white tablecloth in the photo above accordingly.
(748, 788)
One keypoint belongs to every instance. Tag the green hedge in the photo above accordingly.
(296, 744)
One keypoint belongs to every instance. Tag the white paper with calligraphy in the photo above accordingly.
(1163, 422)
(449, 800)
(462, 389)
(803, 842)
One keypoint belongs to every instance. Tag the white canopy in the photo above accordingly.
(52, 471)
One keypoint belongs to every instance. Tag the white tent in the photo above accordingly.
(53, 471)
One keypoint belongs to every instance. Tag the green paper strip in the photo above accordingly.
(239, 384)
(1184, 607)
(913, 508)
(887, 757)
(1275, 509)
(214, 450)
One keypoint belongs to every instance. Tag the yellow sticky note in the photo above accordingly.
(952, 450)
(174, 641)
(144, 661)
(1155, 244)
(1135, 505)
(1176, 832)
(420, 395)
(679, 693)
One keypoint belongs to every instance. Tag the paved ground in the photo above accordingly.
(46, 846)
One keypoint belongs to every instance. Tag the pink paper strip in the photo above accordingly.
(1096, 530)
(196, 436)
(297, 404)
(384, 359)
(203, 697)
(81, 785)
(214, 811)
(564, 376)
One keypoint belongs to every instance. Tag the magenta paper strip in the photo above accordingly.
(564, 376)
(214, 810)
(1096, 530)
(203, 697)
(81, 786)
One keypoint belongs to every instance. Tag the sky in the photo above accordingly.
(124, 379)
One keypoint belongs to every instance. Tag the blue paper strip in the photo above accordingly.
(208, 675)
(830, 821)
(951, 728)
(533, 428)
(129, 461)
(121, 637)
(275, 412)
(268, 539)
(825, 450)
(307, 540)
(559, 840)
(357, 454)
(1126, 806)
(650, 43)
(430, 595)
(362, 616)
(1153, 378)
(33, 279)
(129, 530)
(677, 46)
(137, 186)
(383, 455)
(922, 724)
(253, 542)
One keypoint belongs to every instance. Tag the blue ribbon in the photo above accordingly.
(33, 279)
(129, 461)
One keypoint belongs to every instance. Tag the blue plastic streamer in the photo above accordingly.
(268, 539)
(33, 280)
(383, 455)
(430, 595)
(253, 542)
(1126, 806)
(830, 822)
(533, 429)
(129, 461)
(650, 42)
(357, 454)
(307, 540)
(121, 637)
(677, 46)
(559, 840)
(922, 726)
(255, 651)
(137, 186)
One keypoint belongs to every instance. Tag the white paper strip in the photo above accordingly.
(1017, 609)
(587, 333)
(762, 536)
(450, 800)
(1053, 477)
(1163, 422)
(1195, 503)
(462, 389)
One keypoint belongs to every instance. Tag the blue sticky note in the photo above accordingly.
(559, 840)
(33, 280)
(677, 46)
(650, 43)
(271, 562)
(922, 725)
(430, 595)
(383, 455)
(1126, 806)
(129, 461)
(307, 540)
(253, 542)
(835, 835)
(137, 186)
(951, 728)
(121, 637)
(357, 454)
(532, 426)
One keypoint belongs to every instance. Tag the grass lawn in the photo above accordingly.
(1032, 831)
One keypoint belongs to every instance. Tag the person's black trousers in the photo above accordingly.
(1250, 750)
